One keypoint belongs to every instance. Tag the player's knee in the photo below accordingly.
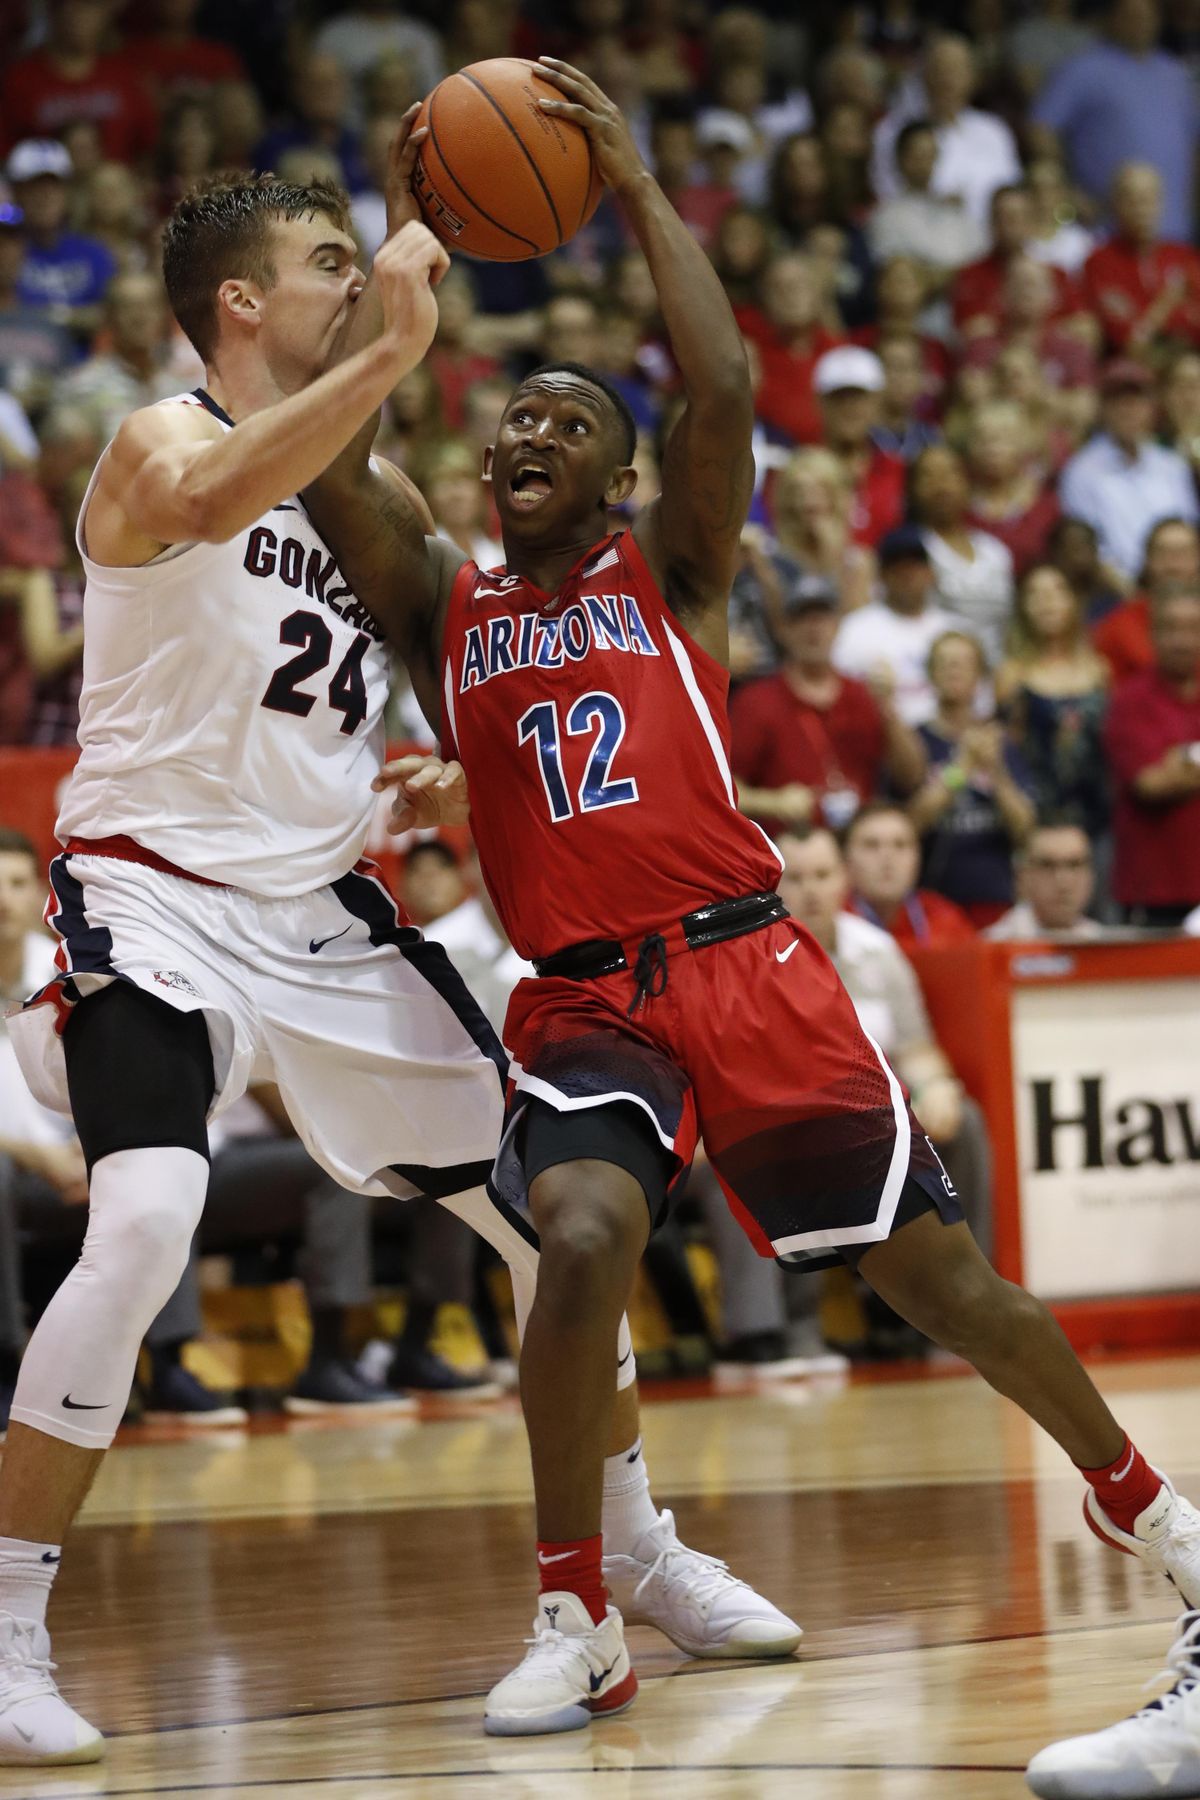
(144, 1228)
(980, 1316)
(591, 1234)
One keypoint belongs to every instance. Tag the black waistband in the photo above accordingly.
(710, 924)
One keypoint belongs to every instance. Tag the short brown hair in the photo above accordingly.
(222, 228)
(15, 843)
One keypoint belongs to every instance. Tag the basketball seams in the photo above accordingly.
(515, 134)
(471, 201)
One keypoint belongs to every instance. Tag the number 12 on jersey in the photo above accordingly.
(598, 713)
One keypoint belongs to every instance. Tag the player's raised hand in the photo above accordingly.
(406, 270)
(617, 156)
(398, 192)
(426, 792)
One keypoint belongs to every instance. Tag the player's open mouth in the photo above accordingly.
(529, 486)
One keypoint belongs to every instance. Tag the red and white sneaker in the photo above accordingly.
(37, 1728)
(1166, 1534)
(573, 1672)
(695, 1600)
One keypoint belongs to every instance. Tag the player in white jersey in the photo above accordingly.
(215, 923)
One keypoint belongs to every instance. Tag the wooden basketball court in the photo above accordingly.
(319, 1610)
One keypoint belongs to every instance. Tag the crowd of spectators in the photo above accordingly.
(965, 633)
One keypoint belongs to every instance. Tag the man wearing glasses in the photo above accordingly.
(1055, 879)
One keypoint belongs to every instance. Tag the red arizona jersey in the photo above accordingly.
(594, 735)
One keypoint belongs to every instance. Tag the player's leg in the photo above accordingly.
(935, 1276)
(141, 1079)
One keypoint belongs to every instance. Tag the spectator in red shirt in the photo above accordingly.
(849, 381)
(175, 60)
(791, 339)
(1139, 286)
(1172, 565)
(883, 858)
(456, 365)
(675, 154)
(977, 293)
(1010, 496)
(1068, 368)
(809, 743)
(71, 79)
(1153, 743)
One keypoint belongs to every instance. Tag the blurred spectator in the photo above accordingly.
(976, 152)
(900, 312)
(755, 604)
(847, 141)
(809, 743)
(974, 569)
(1055, 881)
(675, 152)
(237, 121)
(1010, 497)
(1074, 548)
(887, 642)
(187, 151)
(848, 381)
(63, 271)
(448, 475)
(367, 31)
(71, 77)
(52, 627)
(791, 338)
(412, 419)
(369, 207)
(389, 86)
(933, 228)
(1153, 742)
(619, 356)
(33, 347)
(456, 366)
(1042, 41)
(904, 427)
(740, 251)
(799, 191)
(1140, 287)
(882, 983)
(175, 59)
(1121, 481)
(1171, 565)
(1053, 691)
(812, 504)
(977, 801)
(1067, 366)
(977, 295)
(1179, 400)
(1058, 236)
(113, 212)
(883, 861)
(1124, 101)
(137, 370)
(319, 93)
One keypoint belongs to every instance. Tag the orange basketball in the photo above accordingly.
(497, 176)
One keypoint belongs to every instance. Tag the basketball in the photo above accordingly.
(497, 176)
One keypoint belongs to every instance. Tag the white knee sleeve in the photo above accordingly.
(144, 1206)
(485, 1217)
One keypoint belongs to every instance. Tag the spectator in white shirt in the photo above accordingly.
(973, 569)
(977, 152)
(1122, 482)
(1055, 881)
(887, 642)
(934, 229)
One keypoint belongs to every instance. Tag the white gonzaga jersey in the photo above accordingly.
(231, 718)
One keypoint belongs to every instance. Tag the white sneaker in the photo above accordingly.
(695, 1600)
(37, 1727)
(1153, 1756)
(1166, 1535)
(574, 1671)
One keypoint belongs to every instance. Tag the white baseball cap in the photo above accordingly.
(39, 156)
(849, 366)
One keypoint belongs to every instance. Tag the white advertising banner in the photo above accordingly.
(1107, 1102)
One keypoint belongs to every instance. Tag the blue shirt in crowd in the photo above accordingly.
(73, 271)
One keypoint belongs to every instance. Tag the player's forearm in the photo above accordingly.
(704, 336)
(281, 450)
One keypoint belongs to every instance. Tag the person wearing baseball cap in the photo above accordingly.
(848, 381)
(887, 643)
(1121, 482)
(64, 273)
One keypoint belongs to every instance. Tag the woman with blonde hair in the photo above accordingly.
(811, 507)
(1053, 690)
(1009, 493)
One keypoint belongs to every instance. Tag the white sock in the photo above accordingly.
(629, 1512)
(27, 1574)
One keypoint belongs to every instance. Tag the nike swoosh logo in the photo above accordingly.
(315, 944)
(1128, 1466)
(26, 1736)
(496, 593)
(48, 1556)
(82, 1405)
(782, 955)
(603, 1676)
(563, 1556)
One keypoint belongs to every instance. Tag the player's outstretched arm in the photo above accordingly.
(167, 478)
(690, 536)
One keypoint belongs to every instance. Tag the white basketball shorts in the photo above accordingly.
(389, 1071)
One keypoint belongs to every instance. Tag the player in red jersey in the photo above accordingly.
(583, 689)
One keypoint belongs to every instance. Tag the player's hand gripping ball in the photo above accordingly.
(504, 171)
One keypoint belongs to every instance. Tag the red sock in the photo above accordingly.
(1126, 1487)
(576, 1568)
